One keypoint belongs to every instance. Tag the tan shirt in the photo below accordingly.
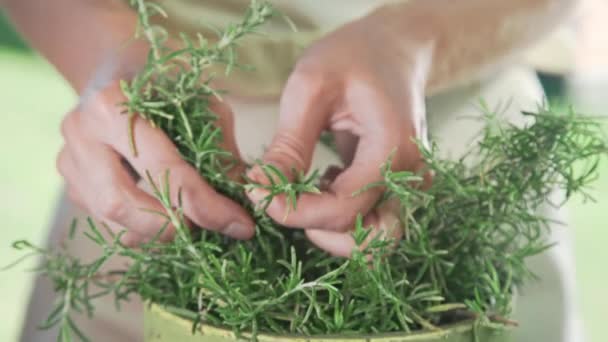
(274, 55)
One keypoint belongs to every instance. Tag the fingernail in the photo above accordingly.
(238, 230)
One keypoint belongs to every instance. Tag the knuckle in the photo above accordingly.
(113, 206)
(69, 125)
(289, 151)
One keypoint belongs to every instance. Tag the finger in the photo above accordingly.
(157, 155)
(111, 194)
(200, 202)
(67, 168)
(335, 243)
(106, 188)
(379, 127)
(305, 106)
(384, 223)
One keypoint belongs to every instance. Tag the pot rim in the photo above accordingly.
(443, 331)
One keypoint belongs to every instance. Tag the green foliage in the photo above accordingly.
(466, 237)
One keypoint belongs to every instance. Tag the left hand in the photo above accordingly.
(366, 85)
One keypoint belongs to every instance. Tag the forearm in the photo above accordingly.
(76, 36)
(468, 37)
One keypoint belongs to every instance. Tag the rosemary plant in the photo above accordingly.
(467, 237)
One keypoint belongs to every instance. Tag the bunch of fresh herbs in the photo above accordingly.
(466, 238)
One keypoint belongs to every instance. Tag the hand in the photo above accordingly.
(360, 83)
(93, 163)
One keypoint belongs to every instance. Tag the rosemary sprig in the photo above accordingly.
(467, 236)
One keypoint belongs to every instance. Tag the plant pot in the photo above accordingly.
(162, 326)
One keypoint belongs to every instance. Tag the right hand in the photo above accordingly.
(92, 161)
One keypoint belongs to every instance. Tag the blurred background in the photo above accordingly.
(33, 99)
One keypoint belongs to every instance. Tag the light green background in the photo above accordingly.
(33, 99)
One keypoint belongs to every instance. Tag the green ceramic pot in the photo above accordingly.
(162, 326)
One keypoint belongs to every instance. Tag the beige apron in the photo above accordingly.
(552, 298)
